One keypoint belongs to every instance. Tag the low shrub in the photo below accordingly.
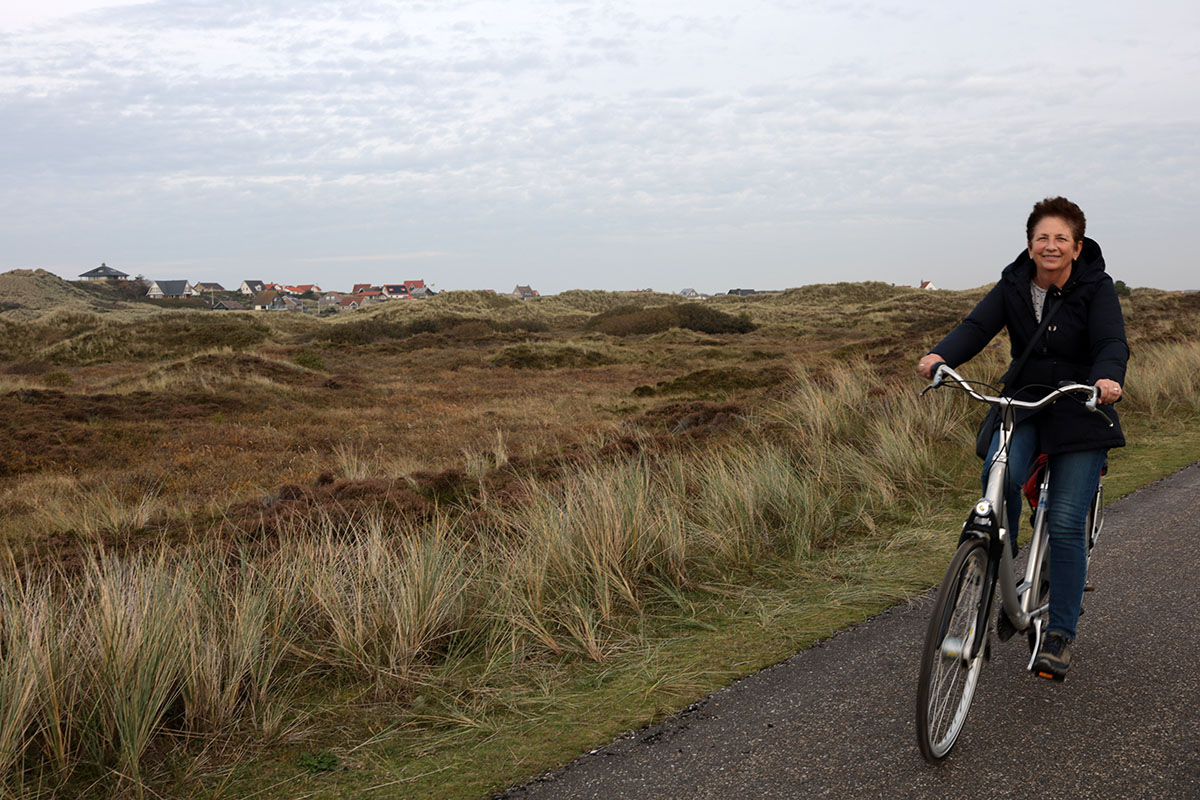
(57, 378)
(378, 328)
(631, 320)
(309, 360)
(162, 336)
(723, 379)
(363, 331)
(545, 356)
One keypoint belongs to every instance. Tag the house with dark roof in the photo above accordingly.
(104, 273)
(202, 287)
(228, 305)
(524, 292)
(169, 289)
(251, 287)
(741, 292)
(271, 300)
(395, 290)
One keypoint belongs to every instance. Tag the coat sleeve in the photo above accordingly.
(973, 333)
(1106, 331)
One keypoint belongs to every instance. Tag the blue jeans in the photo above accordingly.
(1072, 486)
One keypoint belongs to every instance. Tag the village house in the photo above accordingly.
(104, 273)
(201, 287)
(524, 292)
(741, 292)
(169, 289)
(406, 291)
(251, 287)
(329, 301)
(928, 285)
(690, 294)
(362, 287)
(228, 305)
(271, 300)
(302, 288)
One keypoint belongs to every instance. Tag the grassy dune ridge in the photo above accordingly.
(540, 574)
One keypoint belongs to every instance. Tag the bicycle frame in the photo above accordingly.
(989, 517)
(957, 639)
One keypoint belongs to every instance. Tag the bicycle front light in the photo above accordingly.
(983, 508)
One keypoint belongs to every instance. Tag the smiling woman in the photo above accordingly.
(1061, 277)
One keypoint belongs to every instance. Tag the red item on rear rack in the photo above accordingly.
(1033, 483)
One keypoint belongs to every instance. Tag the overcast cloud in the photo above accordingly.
(616, 145)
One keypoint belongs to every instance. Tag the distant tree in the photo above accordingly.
(1122, 289)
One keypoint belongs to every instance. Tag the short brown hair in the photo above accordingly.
(1059, 207)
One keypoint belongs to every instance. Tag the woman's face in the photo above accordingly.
(1053, 247)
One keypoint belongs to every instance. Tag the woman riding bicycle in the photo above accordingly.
(1061, 274)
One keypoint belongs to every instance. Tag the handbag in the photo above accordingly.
(983, 438)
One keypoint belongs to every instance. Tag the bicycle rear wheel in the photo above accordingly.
(947, 679)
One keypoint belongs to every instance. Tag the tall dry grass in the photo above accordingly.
(1162, 381)
(105, 668)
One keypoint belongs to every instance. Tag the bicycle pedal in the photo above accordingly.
(1051, 676)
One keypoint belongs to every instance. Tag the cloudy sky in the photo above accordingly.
(612, 144)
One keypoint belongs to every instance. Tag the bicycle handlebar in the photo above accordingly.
(943, 372)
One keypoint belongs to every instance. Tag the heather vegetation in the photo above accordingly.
(454, 544)
(633, 320)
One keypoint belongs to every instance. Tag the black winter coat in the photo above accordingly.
(1084, 342)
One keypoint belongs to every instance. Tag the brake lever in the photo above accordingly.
(938, 379)
(1093, 404)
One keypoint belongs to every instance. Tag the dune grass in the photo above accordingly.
(594, 573)
(114, 670)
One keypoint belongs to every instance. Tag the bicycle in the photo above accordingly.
(957, 642)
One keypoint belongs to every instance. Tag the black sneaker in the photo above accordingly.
(1054, 657)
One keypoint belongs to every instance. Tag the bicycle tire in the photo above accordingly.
(946, 684)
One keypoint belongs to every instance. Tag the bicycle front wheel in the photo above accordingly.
(947, 679)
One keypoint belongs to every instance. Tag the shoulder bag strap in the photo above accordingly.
(1019, 364)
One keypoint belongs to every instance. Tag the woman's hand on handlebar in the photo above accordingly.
(928, 364)
(1110, 391)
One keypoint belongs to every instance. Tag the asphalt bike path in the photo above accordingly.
(837, 720)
